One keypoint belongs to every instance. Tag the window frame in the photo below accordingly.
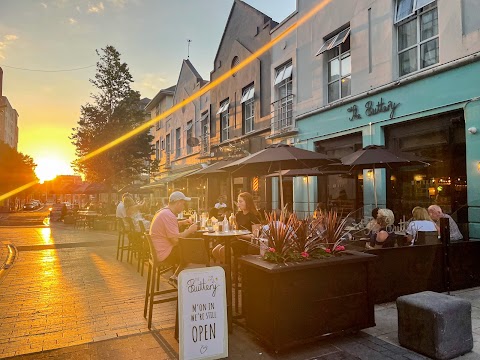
(341, 56)
(248, 108)
(416, 16)
(224, 120)
(178, 142)
(189, 134)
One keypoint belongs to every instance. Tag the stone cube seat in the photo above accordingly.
(436, 325)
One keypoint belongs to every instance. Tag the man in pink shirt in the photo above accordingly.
(164, 230)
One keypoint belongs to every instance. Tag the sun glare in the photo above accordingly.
(49, 167)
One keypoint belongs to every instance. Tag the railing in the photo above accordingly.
(283, 115)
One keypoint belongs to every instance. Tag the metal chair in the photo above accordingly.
(144, 251)
(156, 268)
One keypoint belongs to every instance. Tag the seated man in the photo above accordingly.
(436, 214)
(164, 231)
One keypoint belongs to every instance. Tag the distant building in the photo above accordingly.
(8, 119)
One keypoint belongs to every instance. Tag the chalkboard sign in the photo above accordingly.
(202, 305)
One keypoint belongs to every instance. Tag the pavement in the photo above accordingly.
(67, 297)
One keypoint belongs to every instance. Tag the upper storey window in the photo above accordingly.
(417, 34)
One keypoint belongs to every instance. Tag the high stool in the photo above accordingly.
(156, 268)
(121, 246)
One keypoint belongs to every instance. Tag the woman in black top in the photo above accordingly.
(245, 218)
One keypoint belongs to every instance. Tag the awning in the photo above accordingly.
(283, 74)
(223, 107)
(168, 179)
(248, 94)
(211, 169)
(334, 41)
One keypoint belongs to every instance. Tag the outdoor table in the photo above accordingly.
(89, 216)
(227, 237)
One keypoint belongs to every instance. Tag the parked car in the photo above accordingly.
(29, 206)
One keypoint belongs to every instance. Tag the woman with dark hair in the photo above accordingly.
(246, 217)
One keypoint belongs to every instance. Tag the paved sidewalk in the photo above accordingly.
(67, 297)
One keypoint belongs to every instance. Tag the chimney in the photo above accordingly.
(1, 82)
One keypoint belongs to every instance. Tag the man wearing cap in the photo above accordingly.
(164, 230)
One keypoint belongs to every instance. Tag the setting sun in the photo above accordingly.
(49, 167)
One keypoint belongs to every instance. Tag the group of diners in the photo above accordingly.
(381, 230)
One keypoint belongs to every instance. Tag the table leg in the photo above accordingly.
(228, 276)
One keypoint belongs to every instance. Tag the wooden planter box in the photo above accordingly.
(291, 304)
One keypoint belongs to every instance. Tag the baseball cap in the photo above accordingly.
(178, 195)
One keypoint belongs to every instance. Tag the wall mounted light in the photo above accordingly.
(472, 130)
(370, 174)
(478, 166)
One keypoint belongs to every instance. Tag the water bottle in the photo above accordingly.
(226, 227)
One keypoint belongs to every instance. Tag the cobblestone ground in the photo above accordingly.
(67, 288)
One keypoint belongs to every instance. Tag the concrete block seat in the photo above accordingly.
(435, 325)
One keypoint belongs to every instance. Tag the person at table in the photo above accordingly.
(246, 218)
(436, 213)
(132, 210)
(385, 237)
(120, 212)
(220, 202)
(164, 231)
(421, 221)
(372, 227)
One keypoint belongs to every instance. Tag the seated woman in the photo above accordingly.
(372, 227)
(421, 222)
(133, 212)
(385, 237)
(245, 219)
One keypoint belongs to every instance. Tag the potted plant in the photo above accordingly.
(306, 285)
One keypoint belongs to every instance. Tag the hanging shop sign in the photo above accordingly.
(372, 109)
(202, 305)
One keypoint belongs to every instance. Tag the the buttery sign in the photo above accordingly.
(372, 109)
(202, 308)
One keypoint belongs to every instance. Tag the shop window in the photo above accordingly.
(417, 35)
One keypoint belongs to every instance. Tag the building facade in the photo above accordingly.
(8, 119)
(399, 73)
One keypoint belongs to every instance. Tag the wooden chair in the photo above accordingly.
(79, 221)
(156, 268)
(427, 238)
(193, 251)
(121, 246)
(135, 240)
(144, 251)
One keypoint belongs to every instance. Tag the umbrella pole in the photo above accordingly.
(231, 192)
(281, 189)
(308, 197)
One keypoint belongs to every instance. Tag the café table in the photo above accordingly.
(227, 237)
(89, 216)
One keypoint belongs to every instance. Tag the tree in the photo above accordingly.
(115, 111)
(16, 169)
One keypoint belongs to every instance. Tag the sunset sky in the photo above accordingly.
(52, 35)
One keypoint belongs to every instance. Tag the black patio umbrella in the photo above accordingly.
(375, 156)
(276, 158)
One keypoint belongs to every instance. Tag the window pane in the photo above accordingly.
(404, 9)
(341, 37)
(346, 86)
(333, 53)
(422, 3)
(333, 70)
(407, 61)
(346, 45)
(407, 34)
(346, 64)
(333, 91)
(429, 53)
(429, 24)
